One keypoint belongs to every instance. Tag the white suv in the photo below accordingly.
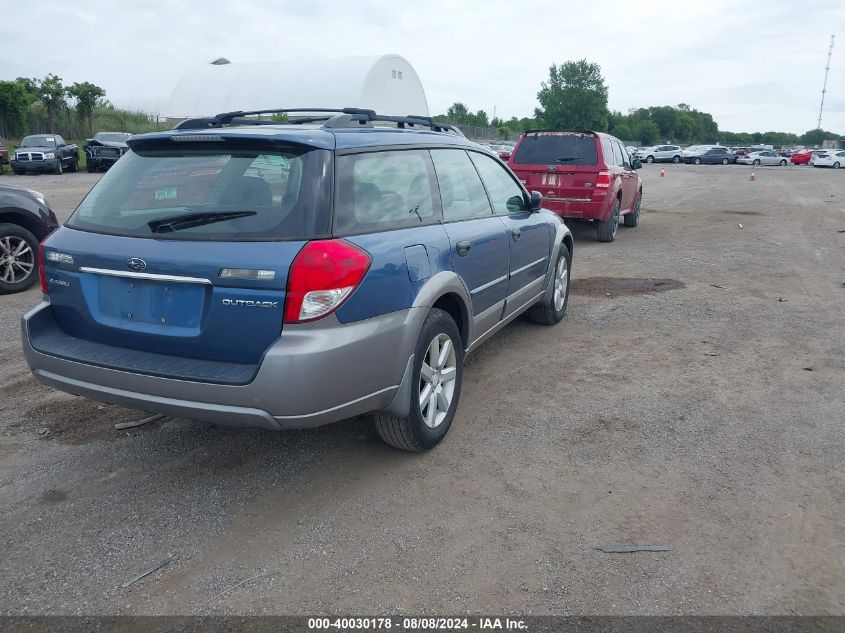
(660, 154)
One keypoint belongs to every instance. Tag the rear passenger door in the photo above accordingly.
(529, 233)
(479, 243)
(627, 174)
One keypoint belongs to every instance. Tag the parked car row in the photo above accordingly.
(718, 154)
(206, 274)
(755, 155)
(50, 153)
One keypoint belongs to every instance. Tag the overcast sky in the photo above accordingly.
(753, 66)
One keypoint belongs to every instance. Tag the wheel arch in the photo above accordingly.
(452, 304)
(25, 220)
(447, 291)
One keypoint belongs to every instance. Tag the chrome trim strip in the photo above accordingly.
(489, 284)
(148, 276)
(550, 199)
(527, 266)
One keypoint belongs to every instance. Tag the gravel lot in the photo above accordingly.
(692, 398)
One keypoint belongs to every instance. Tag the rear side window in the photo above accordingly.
(384, 190)
(557, 148)
(617, 153)
(461, 191)
(204, 193)
(607, 151)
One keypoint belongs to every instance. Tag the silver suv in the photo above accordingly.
(660, 154)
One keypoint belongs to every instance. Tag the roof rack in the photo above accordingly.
(334, 118)
(541, 131)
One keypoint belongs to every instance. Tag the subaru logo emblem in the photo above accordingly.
(136, 263)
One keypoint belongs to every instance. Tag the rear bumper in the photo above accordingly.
(579, 208)
(314, 374)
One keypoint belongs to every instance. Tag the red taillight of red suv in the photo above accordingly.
(42, 274)
(603, 181)
(323, 275)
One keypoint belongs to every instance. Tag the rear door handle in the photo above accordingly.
(463, 247)
(516, 234)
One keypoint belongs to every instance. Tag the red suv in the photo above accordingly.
(584, 175)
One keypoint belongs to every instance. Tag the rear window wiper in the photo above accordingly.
(179, 222)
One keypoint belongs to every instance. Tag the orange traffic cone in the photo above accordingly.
(752, 178)
(662, 173)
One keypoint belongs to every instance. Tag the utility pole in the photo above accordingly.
(824, 87)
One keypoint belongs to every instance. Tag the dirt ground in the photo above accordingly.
(692, 398)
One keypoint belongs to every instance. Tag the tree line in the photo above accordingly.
(33, 106)
(575, 96)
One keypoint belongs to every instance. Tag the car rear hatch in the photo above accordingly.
(184, 247)
(563, 166)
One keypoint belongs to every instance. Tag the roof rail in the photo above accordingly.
(335, 118)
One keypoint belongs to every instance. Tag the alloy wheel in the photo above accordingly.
(561, 283)
(437, 380)
(17, 260)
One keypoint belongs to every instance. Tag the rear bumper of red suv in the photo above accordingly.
(579, 208)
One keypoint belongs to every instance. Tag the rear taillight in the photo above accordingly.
(41, 272)
(603, 180)
(323, 275)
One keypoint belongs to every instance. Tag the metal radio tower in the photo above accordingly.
(824, 87)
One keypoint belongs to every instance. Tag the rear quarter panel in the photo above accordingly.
(391, 284)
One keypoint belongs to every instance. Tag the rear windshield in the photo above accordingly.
(212, 193)
(557, 149)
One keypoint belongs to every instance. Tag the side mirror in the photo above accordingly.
(535, 201)
(636, 164)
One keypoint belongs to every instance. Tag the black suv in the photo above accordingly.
(25, 220)
(104, 150)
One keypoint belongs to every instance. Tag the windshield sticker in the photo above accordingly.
(166, 194)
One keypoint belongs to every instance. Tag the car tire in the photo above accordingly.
(424, 426)
(649, 159)
(19, 172)
(74, 166)
(91, 166)
(676, 159)
(59, 167)
(782, 163)
(552, 311)
(633, 218)
(12, 277)
(836, 165)
(725, 161)
(606, 229)
(697, 161)
(756, 162)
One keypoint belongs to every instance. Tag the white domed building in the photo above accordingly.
(387, 84)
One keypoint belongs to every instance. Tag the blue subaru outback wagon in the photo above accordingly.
(289, 275)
